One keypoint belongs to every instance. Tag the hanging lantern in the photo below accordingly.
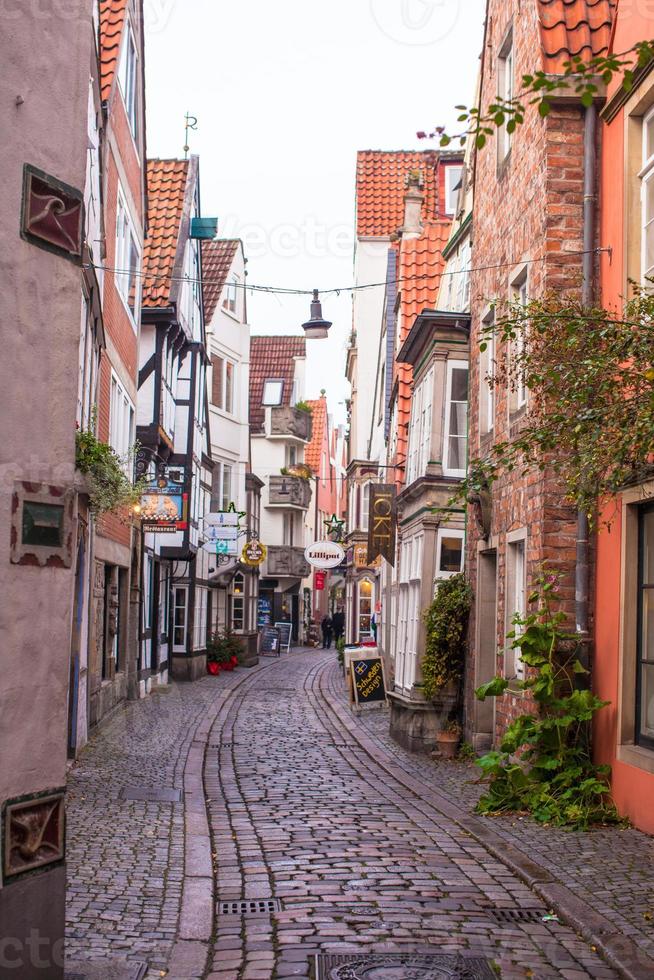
(316, 328)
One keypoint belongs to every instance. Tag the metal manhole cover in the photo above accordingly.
(402, 966)
(251, 906)
(513, 916)
(105, 970)
(151, 794)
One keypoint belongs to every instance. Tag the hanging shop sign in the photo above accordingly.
(319, 581)
(324, 554)
(368, 682)
(221, 547)
(164, 505)
(254, 553)
(382, 522)
(221, 518)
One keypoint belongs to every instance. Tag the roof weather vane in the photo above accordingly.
(191, 123)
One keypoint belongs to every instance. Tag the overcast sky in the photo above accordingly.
(285, 94)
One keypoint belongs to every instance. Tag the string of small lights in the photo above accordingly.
(337, 290)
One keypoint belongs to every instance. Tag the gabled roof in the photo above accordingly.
(272, 358)
(380, 188)
(217, 258)
(112, 21)
(313, 452)
(166, 192)
(574, 27)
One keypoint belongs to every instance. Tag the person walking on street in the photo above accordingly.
(327, 627)
(338, 622)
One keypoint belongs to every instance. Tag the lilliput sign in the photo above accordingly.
(381, 525)
(324, 554)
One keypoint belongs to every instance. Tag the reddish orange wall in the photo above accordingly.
(633, 789)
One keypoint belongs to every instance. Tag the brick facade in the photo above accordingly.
(528, 220)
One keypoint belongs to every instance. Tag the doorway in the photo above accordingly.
(486, 658)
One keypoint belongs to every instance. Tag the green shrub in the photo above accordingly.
(222, 646)
(446, 620)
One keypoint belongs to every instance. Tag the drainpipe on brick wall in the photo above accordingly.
(582, 567)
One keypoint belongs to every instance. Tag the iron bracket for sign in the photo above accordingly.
(143, 459)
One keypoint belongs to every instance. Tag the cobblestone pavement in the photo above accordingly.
(612, 869)
(301, 814)
(125, 858)
(307, 809)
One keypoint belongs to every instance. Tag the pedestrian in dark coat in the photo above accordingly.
(327, 628)
(338, 622)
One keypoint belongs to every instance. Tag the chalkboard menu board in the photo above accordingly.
(368, 680)
(284, 635)
(269, 642)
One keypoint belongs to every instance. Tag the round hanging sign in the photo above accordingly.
(254, 553)
(324, 554)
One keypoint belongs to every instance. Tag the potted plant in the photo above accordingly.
(448, 738)
(223, 650)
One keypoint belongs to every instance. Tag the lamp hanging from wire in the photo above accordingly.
(316, 328)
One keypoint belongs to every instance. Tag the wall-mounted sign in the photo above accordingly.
(254, 553)
(319, 581)
(164, 505)
(381, 523)
(324, 554)
(220, 546)
(360, 557)
(222, 518)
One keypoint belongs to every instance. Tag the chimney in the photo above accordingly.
(413, 198)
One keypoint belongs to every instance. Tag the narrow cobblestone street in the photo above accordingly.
(338, 841)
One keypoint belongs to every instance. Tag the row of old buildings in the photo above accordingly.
(132, 364)
(562, 205)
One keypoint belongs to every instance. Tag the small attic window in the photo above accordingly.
(272, 392)
(453, 183)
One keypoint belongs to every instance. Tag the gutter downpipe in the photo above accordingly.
(582, 567)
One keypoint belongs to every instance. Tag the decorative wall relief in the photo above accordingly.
(33, 833)
(53, 214)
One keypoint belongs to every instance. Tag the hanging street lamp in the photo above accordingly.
(316, 328)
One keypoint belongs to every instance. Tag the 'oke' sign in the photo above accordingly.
(368, 680)
(381, 522)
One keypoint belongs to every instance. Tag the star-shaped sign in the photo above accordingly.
(334, 527)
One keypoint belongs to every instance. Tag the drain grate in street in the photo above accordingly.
(428, 966)
(105, 970)
(512, 917)
(151, 794)
(251, 906)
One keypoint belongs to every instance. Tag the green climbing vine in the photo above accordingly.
(107, 474)
(446, 621)
(544, 765)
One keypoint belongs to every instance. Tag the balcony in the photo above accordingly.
(284, 560)
(290, 423)
(289, 491)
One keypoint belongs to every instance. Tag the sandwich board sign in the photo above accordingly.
(368, 680)
(284, 635)
(269, 645)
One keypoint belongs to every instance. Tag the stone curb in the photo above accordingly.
(620, 952)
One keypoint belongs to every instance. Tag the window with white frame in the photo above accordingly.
(289, 531)
(238, 603)
(420, 428)
(487, 375)
(515, 601)
(223, 383)
(121, 421)
(230, 302)
(519, 295)
(128, 79)
(456, 419)
(272, 392)
(365, 506)
(222, 485)
(449, 552)
(127, 259)
(505, 71)
(453, 181)
(647, 198)
(180, 604)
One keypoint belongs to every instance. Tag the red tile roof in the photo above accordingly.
(380, 188)
(217, 258)
(272, 358)
(166, 190)
(112, 20)
(573, 27)
(422, 262)
(313, 452)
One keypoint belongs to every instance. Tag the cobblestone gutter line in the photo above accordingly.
(621, 951)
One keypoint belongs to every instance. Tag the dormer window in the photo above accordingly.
(272, 392)
(453, 183)
(128, 79)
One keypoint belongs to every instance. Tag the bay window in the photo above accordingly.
(456, 419)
